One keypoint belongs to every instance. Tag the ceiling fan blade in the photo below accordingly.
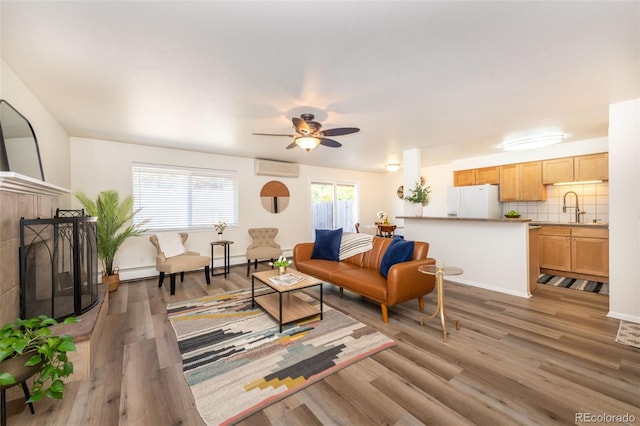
(272, 134)
(292, 145)
(340, 131)
(301, 126)
(330, 143)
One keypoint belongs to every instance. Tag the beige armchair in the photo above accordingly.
(187, 261)
(263, 246)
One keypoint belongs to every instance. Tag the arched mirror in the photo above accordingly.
(18, 144)
(274, 196)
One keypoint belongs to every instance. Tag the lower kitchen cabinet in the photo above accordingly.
(575, 251)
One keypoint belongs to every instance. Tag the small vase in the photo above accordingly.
(220, 236)
(418, 209)
(282, 270)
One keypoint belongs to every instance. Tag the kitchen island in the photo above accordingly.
(494, 253)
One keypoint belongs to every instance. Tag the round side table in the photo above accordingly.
(440, 272)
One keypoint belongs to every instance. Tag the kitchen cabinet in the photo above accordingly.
(591, 167)
(464, 177)
(522, 182)
(481, 176)
(489, 175)
(575, 251)
(576, 169)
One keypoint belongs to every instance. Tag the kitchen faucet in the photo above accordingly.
(565, 207)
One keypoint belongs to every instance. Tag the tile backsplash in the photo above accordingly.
(593, 199)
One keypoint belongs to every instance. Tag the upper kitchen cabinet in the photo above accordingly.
(490, 175)
(522, 182)
(576, 169)
(591, 167)
(464, 177)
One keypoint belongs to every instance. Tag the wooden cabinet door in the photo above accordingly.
(464, 177)
(590, 251)
(591, 167)
(531, 187)
(489, 175)
(590, 256)
(557, 170)
(509, 182)
(555, 252)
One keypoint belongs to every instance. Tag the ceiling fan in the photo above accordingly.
(309, 133)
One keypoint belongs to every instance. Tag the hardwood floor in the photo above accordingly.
(514, 361)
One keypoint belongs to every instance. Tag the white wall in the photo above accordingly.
(98, 165)
(624, 202)
(53, 141)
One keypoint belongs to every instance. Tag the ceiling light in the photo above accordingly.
(307, 143)
(532, 142)
(393, 167)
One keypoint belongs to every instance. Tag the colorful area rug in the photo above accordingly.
(236, 362)
(574, 283)
(629, 334)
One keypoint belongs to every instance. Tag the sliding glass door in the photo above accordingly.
(333, 205)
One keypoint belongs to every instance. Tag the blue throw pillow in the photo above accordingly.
(327, 244)
(398, 251)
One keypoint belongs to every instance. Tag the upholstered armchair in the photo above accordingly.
(263, 246)
(172, 257)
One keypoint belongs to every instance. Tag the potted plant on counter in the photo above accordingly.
(419, 197)
(112, 215)
(28, 348)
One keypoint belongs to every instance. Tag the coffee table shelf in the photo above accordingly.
(293, 308)
(282, 303)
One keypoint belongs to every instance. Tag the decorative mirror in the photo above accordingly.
(274, 196)
(18, 144)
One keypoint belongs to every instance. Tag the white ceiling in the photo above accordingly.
(452, 78)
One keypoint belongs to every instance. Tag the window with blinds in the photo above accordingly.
(174, 197)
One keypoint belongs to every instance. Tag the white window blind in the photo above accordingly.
(174, 197)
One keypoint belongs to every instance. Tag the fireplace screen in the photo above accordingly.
(58, 265)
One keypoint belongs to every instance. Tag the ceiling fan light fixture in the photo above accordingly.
(532, 142)
(307, 143)
(392, 167)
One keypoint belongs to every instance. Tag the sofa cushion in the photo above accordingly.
(398, 251)
(327, 244)
(323, 269)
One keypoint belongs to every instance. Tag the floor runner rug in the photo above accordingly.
(236, 361)
(574, 283)
(629, 334)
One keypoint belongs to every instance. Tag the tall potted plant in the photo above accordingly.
(27, 348)
(419, 197)
(113, 216)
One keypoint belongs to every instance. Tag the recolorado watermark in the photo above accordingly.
(605, 418)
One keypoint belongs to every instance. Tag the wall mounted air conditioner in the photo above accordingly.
(276, 168)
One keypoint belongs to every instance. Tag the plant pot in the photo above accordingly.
(15, 367)
(417, 209)
(282, 270)
(112, 281)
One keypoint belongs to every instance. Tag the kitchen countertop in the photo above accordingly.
(471, 219)
(588, 224)
(513, 220)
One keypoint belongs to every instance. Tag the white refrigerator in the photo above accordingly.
(476, 201)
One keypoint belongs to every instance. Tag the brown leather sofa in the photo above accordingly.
(361, 274)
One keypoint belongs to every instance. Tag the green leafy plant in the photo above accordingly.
(281, 261)
(112, 216)
(33, 336)
(419, 194)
